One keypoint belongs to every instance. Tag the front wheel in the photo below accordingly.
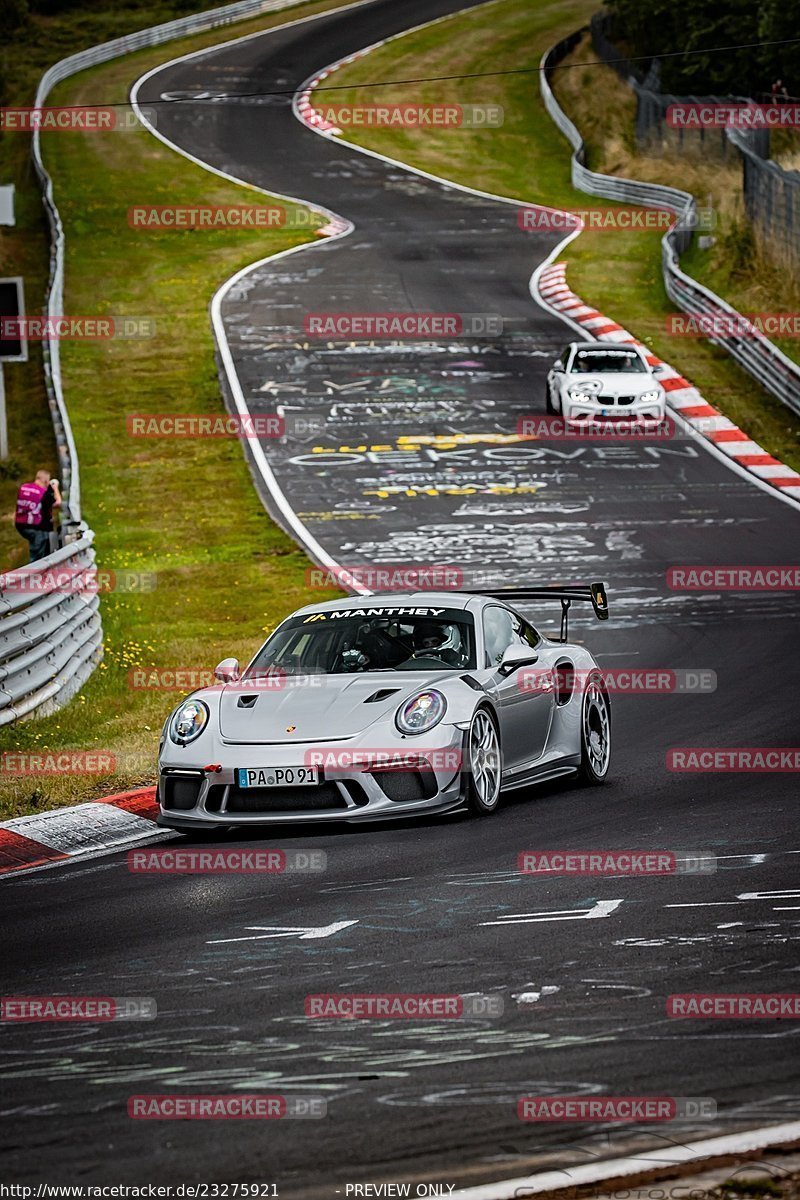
(483, 765)
(595, 735)
(548, 392)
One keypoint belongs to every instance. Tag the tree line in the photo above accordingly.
(657, 28)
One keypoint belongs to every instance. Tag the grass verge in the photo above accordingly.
(182, 511)
(26, 53)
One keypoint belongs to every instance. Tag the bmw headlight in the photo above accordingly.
(421, 712)
(649, 397)
(585, 391)
(188, 721)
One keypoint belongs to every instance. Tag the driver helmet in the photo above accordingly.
(434, 636)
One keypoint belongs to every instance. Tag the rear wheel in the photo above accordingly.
(483, 764)
(595, 735)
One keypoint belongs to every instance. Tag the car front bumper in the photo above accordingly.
(369, 789)
(582, 411)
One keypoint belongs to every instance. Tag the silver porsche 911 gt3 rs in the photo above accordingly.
(389, 706)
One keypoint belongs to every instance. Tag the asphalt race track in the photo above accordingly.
(438, 906)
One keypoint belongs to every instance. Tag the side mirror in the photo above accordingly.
(227, 671)
(515, 656)
(558, 367)
(658, 369)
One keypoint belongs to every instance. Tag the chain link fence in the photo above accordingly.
(771, 198)
(771, 193)
(754, 353)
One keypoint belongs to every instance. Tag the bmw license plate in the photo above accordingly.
(267, 777)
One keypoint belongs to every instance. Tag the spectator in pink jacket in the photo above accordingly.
(34, 516)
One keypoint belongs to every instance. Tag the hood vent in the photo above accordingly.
(247, 701)
(382, 694)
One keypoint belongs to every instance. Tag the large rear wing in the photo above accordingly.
(591, 593)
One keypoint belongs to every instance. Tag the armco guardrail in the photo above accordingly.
(50, 632)
(777, 373)
(51, 636)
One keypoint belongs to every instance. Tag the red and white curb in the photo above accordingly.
(84, 830)
(303, 105)
(684, 399)
(315, 120)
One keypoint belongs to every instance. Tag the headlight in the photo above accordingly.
(649, 397)
(188, 721)
(421, 712)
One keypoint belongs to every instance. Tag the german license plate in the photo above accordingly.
(267, 777)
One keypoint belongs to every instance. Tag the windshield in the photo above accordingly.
(590, 362)
(345, 641)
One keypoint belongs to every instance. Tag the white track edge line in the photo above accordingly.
(672, 1156)
(304, 536)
